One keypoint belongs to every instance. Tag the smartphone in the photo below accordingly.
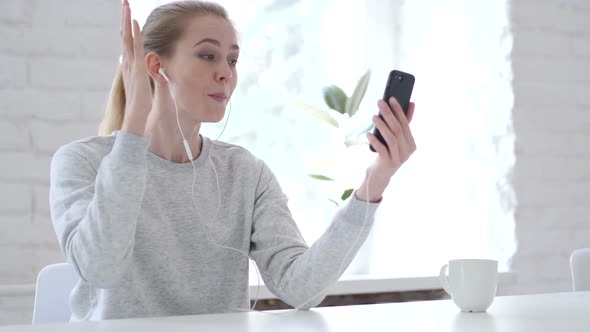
(400, 86)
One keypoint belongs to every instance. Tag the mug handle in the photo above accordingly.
(444, 280)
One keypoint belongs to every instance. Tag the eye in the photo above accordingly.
(209, 57)
(233, 62)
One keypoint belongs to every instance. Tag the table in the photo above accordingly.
(539, 313)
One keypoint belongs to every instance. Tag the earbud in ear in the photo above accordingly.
(161, 71)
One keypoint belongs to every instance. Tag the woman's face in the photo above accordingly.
(203, 68)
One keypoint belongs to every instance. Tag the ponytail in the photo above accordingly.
(115, 109)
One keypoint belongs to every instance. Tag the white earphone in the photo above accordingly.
(187, 147)
(161, 71)
(190, 155)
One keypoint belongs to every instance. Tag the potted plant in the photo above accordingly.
(342, 109)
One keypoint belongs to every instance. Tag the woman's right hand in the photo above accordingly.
(138, 96)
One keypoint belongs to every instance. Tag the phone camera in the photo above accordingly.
(399, 78)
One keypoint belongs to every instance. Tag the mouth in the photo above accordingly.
(219, 97)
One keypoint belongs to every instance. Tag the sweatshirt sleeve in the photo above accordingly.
(94, 208)
(295, 273)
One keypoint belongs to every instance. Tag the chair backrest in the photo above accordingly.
(580, 268)
(52, 294)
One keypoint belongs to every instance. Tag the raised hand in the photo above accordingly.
(395, 129)
(138, 97)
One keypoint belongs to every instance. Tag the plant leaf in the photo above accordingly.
(351, 142)
(367, 129)
(358, 133)
(353, 103)
(320, 177)
(333, 201)
(353, 139)
(335, 98)
(318, 113)
(346, 194)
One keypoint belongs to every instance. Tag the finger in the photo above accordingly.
(403, 120)
(137, 42)
(409, 136)
(390, 119)
(121, 28)
(400, 147)
(398, 111)
(411, 147)
(122, 17)
(378, 146)
(390, 139)
(127, 38)
(408, 140)
(410, 114)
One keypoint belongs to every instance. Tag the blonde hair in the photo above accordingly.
(163, 28)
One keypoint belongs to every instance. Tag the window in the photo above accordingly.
(454, 197)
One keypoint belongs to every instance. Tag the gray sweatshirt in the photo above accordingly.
(124, 218)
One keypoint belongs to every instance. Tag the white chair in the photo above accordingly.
(580, 268)
(52, 294)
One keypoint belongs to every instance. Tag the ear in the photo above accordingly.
(152, 60)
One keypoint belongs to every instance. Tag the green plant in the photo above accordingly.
(338, 101)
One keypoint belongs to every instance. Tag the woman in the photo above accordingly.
(149, 240)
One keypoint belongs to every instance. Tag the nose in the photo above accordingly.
(224, 72)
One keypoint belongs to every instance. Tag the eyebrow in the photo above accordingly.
(216, 43)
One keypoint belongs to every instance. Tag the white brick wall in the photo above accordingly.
(57, 63)
(15, 136)
(13, 72)
(551, 64)
(57, 59)
(15, 198)
(39, 104)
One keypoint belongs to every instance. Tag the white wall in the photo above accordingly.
(551, 64)
(57, 60)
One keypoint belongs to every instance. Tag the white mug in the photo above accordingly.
(471, 283)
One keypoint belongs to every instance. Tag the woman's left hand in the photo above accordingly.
(395, 129)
